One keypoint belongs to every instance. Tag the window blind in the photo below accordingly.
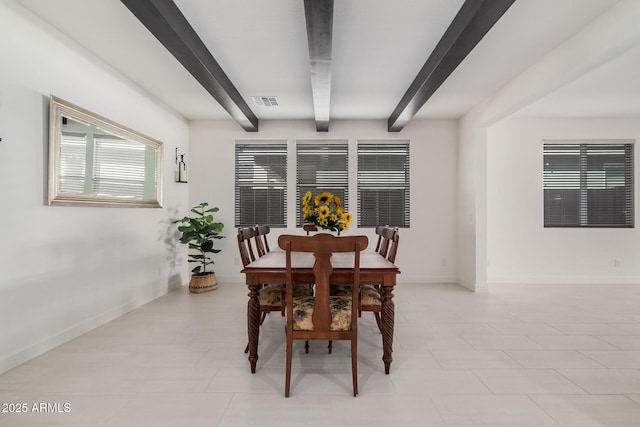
(119, 167)
(322, 166)
(383, 183)
(73, 162)
(261, 184)
(588, 184)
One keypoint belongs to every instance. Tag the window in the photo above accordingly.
(383, 183)
(322, 166)
(588, 184)
(261, 183)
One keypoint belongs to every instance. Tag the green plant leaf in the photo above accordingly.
(196, 270)
(207, 246)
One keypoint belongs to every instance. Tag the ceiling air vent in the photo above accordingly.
(266, 101)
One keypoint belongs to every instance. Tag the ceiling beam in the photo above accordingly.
(319, 18)
(165, 21)
(474, 19)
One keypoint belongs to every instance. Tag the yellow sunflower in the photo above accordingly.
(338, 202)
(324, 198)
(306, 198)
(323, 212)
(348, 217)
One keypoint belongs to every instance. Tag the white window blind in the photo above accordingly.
(73, 162)
(322, 166)
(588, 183)
(383, 183)
(119, 167)
(261, 183)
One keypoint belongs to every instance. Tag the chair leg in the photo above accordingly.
(330, 347)
(378, 321)
(264, 316)
(354, 365)
(287, 383)
(306, 346)
(246, 349)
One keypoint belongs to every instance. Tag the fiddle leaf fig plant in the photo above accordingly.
(199, 232)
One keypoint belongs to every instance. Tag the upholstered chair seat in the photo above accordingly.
(271, 295)
(340, 313)
(340, 290)
(370, 295)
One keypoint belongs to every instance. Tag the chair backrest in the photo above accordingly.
(322, 246)
(245, 234)
(262, 244)
(393, 247)
(385, 236)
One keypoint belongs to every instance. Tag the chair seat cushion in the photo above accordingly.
(272, 294)
(340, 290)
(340, 313)
(369, 295)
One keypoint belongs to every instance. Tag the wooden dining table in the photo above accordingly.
(271, 267)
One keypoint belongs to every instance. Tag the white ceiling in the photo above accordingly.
(378, 48)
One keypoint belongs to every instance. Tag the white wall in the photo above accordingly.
(66, 270)
(520, 249)
(427, 252)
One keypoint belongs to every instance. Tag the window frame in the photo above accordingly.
(398, 178)
(272, 181)
(336, 183)
(588, 184)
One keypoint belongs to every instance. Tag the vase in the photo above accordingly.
(203, 283)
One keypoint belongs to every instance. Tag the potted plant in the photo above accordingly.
(199, 233)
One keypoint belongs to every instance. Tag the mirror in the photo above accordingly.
(96, 162)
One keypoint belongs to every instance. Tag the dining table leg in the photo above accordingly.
(388, 313)
(253, 325)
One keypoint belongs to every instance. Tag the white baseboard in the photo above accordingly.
(570, 280)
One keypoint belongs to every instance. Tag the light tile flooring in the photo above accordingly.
(518, 355)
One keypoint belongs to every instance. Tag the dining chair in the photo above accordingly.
(385, 235)
(321, 316)
(262, 244)
(270, 296)
(371, 295)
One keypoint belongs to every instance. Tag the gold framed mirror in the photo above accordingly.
(94, 161)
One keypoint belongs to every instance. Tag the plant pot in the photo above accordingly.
(203, 283)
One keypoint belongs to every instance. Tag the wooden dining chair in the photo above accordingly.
(321, 316)
(385, 235)
(371, 295)
(262, 244)
(270, 296)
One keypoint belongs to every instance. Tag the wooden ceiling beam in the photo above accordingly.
(166, 22)
(474, 19)
(319, 19)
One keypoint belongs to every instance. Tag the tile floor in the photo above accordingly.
(519, 355)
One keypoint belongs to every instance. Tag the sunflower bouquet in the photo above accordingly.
(325, 210)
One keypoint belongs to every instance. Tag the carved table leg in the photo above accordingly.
(253, 325)
(388, 312)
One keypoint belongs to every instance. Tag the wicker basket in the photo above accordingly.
(203, 283)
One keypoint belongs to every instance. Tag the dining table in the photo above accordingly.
(271, 269)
